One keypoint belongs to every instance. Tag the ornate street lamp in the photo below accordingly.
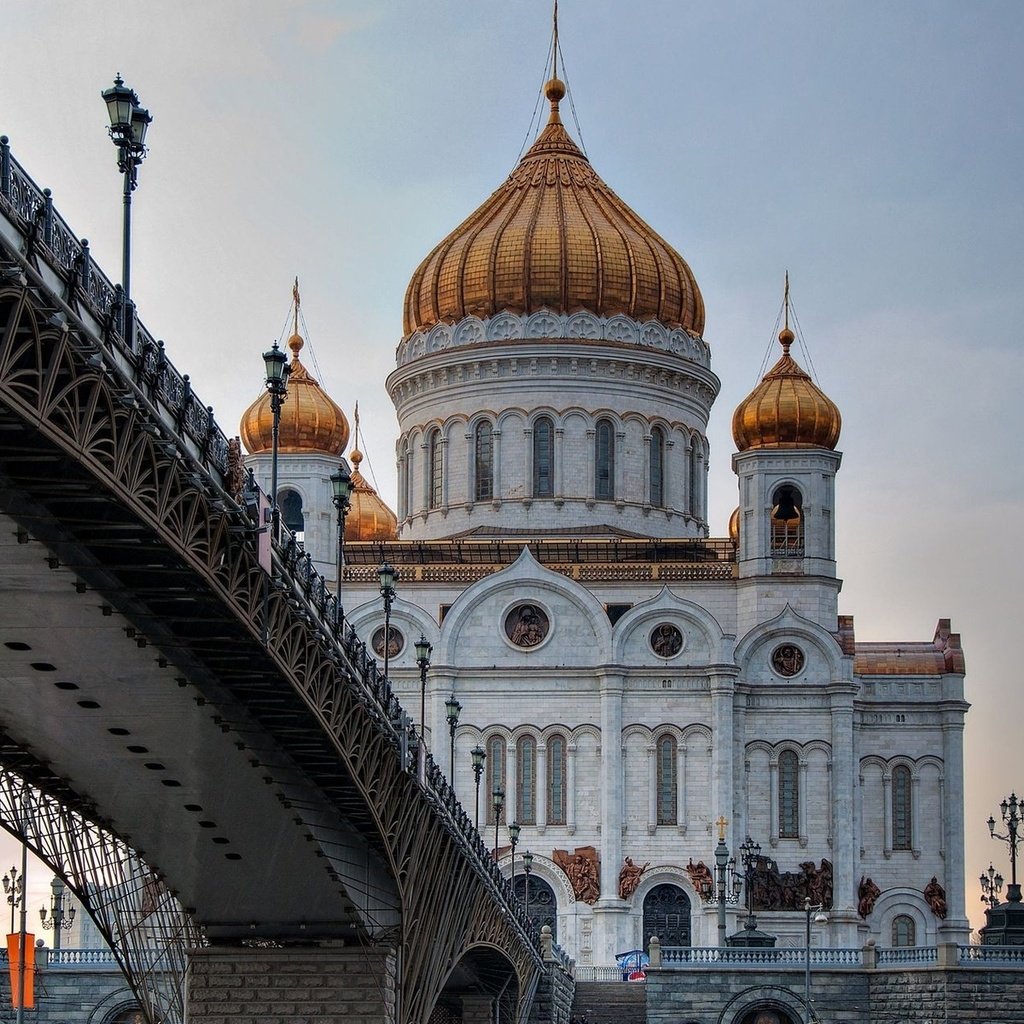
(991, 887)
(499, 801)
(1013, 816)
(388, 577)
(59, 919)
(276, 367)
(14, 887)
(819, 918)
(721, 876)
(513, 839)
(423, 651)
(128, 123)
(452, 708)
(749, 852)
(341, 493)
(527, 868)
(479, 755)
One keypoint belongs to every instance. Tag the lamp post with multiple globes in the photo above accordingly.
(819, 918)
(387, 576)
(991, 887)
(276, 365)
(1013, 817)
(479, 756)
(341, 494)
(58, 918)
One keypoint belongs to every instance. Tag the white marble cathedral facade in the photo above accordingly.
(631, 680)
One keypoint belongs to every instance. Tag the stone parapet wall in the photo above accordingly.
(264, 986)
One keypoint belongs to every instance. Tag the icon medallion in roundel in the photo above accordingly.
(527, 625)
(788, 660)
(395, 645)
(666, 640)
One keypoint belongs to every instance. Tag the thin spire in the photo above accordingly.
(785, 301)
(297, 302)
(554, 48)
(355, 430)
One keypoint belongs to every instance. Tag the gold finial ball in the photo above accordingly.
(554, 90)
(786, 336)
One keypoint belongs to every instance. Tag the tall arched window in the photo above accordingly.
(787, 522)
(604, 460)
(789, 795)
(904, 931)
(667, 782)
(291, 512)
(556, 780)
(526, 780)
(483, 461)
(434, 454)
(657, 466)
(902, 837)
(543, 458)
(495, 774)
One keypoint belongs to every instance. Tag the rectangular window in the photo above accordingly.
(666, 781)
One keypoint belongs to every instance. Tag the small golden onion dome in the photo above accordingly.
(734, 525)
(368, 517)
(554, 236)
(310, 420)
(786, 410)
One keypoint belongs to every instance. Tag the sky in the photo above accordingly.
(872, 149)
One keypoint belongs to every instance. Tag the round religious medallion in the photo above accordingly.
(526, 625)
(666, 640)
(787, 659)
(395, 645)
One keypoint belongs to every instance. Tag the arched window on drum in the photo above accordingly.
(787, 522)
(483, 461)
(657, 467)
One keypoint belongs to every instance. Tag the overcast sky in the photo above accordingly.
(873, 149)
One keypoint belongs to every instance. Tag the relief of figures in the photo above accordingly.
(702, 879)
(629, 877)
(583, 869)
(867, 894)
(526, 625)
(772, 889)
(935, 897)
(395, 642)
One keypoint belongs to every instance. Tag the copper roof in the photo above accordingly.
(944, 654)
(556, 237)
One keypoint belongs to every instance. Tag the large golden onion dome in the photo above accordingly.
(786, 410)
(368, 517)
(310, 420)
(554, 236)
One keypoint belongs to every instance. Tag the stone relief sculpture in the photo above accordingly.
(583, 869)
(787, 660)
(867, 894)
(629, 877)
(935, 897)
(666, 640)
(526, 625)
(772, 889)
(702, 879)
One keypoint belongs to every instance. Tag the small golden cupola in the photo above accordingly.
(787, 409)
(368, 517)
(310, 420)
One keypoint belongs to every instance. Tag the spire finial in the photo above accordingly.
(554, 48)
(355, 419)
(296, 301)
(555, 88)
(786, 336)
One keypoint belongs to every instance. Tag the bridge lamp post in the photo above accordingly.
(479, 755)
(527, 868)
(819, 918)
(128, 123)
(991, 887)
(424, 648)
(498, 796)
(1013, 817)
(14, 887)
(387, 575)
(722, 869)
(452, 708)
(341, 494)
(59, 919)
(513, 840)
(276, 365)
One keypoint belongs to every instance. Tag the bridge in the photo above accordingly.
(191, 735)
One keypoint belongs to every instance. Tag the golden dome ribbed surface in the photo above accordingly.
(368, 517)
(554, 236)
(310, 420)
(786, 410)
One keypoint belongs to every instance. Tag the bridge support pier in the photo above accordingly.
(348, 985)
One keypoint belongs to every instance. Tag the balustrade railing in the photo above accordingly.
(902, 955)
(755, 957)
(142, 357)
(992, 955)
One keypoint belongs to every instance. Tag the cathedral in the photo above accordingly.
(616, 692)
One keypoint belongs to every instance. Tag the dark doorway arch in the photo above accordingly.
(667, 915)
(291, 512)
(543, 905)
(767, 1015)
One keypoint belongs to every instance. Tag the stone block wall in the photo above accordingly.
(552, 1003)
(265, 986)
